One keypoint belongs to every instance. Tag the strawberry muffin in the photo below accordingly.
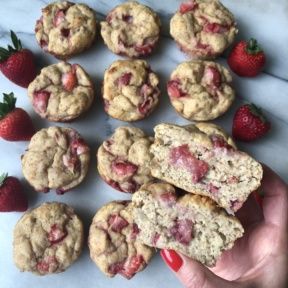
(56, 158)
(205, 164)
(130, 90)
(200, 90)
(124, 158)
(203, 28)
(191, 224)
(66, 29)
(113, 241)
(47, 239)
(131, 29)
(62, 92)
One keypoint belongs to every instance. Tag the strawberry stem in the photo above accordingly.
(7, 105)
(5, 53)
(253, 47)
(3, 178)
(257, 112)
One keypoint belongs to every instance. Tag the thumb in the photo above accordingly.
(193, 274)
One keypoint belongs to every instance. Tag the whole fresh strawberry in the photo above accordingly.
(249, 123)
(15, 123)
(12, 197)
(17, 64)
(246, 58)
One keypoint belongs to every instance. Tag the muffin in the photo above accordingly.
(131, 29)
(65, 29)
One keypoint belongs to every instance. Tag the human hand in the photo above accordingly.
(259, 258)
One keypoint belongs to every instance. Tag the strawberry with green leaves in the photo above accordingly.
(15, 123)
(17, 64)
(12, 197)
(246, 59)
(249, 123)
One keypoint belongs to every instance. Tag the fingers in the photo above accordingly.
(275, 202)
(192, 274)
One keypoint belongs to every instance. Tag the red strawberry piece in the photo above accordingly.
(40, 100)
(117, 223)
(132, 266)
(220, 142)
(181, 156)
(43, 44)
(174, 90)
(129, 186)
(127, 18)
(115, 268)
(48, 264)
(215, 28)
(168, 198)
(212, 189)
(187, 6)
(17, 64)
(202, 46)
(235, 205)
(61, 191)
(144, 49)
(135, 231)
(124, 79)
(146, 90)
(56, 234)
(79, 146)
(69, 80)
(233, 180)
(182, 231)
(113, 184)
(58, 18)
(12, 197)
(212, 77)
(15, 123)
(71, 161)
(124, 168)
(247, 59)
(147, 93)
(155, 239)
(249, 123)
(145, 106)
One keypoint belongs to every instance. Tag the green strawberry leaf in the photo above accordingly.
(253, 47)
(10, 48)
(4, 54)
(16, 42)
(7, 105)
(3, 178)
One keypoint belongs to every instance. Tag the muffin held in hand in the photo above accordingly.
(203, 162)
(191, 224)
(113, 241)
(130, 90)
(56, 158)
(131, 29)
(47, 239)
(66, 29)
(203, 28)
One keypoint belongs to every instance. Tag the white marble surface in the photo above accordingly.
(264, 19)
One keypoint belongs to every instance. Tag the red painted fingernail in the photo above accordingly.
(172, 259)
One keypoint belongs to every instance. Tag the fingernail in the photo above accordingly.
(172, 259)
